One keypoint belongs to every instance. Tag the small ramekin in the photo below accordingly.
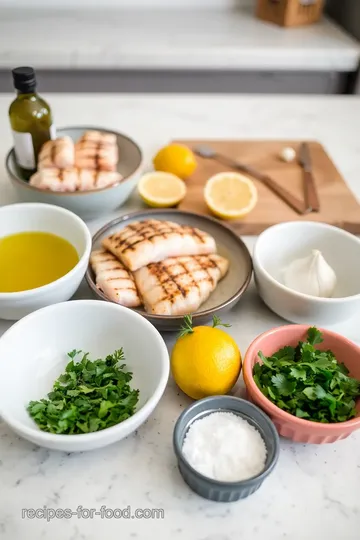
(213, 489)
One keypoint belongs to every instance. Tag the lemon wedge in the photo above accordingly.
(161, 190)
(230, 195)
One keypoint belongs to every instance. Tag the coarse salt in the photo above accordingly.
(225, 447)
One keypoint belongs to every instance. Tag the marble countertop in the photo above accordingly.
(313, 492)
(173, 39)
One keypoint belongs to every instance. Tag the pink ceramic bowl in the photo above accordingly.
(290, 426)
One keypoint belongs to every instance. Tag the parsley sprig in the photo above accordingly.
(307, 382)
(89, 396)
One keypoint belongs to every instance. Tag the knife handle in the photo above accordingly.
(285, 195)
(311, 196)
(281, 192)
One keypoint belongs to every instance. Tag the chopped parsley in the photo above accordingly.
(307, 382)
(89, 396)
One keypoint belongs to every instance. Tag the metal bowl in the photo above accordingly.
(86, 204)
(229, 290)
(213, 489)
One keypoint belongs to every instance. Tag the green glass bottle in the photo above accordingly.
(30, 120)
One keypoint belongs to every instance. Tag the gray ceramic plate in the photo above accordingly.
(87, 204)
(229, 290)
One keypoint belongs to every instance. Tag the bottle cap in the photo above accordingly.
(24, 79)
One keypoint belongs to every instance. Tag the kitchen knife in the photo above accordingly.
(310, 191)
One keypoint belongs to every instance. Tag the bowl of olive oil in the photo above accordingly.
(44, 253)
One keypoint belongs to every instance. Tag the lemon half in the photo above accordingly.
(161, 190)
(230, 195)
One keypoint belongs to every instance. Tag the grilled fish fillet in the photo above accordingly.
(145, 242)
(113, 279)
(54, 179)
(179, 285)
(97, 150)
(58, 153)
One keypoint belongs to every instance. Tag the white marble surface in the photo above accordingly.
(313, 493)
(173, 39)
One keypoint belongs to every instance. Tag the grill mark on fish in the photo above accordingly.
(120, 279)
(205, 266)
(97, 154)
(149, 238)
(141, 243)
(52, 153)
(124, 289)
(189, 273)
(113, 280)
(176, 284)
(199, 236)
(163, 268)
(113, 267)
(125, 241)
(164, 233)
(156, 269)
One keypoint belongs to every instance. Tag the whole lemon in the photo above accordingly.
(175, 159)
(205, 361)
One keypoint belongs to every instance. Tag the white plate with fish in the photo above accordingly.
(58, 182)
(168, 263)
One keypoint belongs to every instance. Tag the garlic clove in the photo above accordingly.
(287, 154)
(311, 275)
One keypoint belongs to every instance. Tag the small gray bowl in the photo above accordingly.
(86, 204)
(213, 489)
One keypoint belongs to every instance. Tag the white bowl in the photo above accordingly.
(35, 349)
(283, 243)
(86, 204)
(16, 218)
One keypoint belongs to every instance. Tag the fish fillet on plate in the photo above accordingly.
(113, 279)
(179, 285)
(152, 240)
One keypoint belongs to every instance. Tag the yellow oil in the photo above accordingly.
(32, 259)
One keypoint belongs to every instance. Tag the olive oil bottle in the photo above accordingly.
(30, 120)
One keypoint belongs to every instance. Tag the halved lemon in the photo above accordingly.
(161, 190)
(230, 195)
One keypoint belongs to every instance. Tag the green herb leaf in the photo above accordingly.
(187, 327)
(297, 373)
(314, 336)
(283, 385)
(217, 322)
(89, 396)
(307, 382)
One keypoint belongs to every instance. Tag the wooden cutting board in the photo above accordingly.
(338, 205)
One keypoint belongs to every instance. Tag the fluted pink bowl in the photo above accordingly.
(290, 426)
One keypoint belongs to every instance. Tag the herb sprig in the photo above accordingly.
(187, 327)
(89, 396)
(307, 382)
